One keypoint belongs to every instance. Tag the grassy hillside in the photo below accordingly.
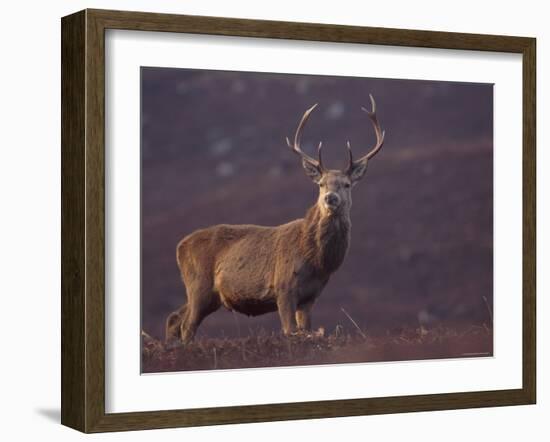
(269, 349)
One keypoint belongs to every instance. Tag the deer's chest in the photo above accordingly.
(296, 277)
(307, 283)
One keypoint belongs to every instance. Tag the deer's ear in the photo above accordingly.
(312, 171)
(358, 171)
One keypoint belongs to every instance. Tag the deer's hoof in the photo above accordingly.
(172, 344)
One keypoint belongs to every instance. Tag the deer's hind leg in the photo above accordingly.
(173, 325)
(201, 301)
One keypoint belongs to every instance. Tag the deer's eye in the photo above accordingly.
(347, 185)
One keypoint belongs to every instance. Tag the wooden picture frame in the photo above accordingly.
(83, 220)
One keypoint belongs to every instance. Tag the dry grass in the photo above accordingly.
(265, 349)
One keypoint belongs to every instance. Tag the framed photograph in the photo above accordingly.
(214, 268)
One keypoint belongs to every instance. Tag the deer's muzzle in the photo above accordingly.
(332, 200)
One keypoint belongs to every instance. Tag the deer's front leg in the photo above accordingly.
(303, 317)
(286, 305)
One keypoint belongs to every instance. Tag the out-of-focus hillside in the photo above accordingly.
(213, 152)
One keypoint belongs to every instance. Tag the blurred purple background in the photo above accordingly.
(213, 151)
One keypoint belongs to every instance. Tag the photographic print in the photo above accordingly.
(294, 220)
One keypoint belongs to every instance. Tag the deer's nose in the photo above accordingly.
(332, 199)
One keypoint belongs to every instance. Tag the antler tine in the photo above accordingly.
(350, 157)
(377, 129)
(319, 155)
(296, 147)
(379, 135)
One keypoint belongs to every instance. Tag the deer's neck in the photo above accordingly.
(325, 239)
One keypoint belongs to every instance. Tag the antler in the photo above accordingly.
(379, 138)
(298, 138)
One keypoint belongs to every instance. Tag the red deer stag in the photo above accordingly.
(255, 269)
